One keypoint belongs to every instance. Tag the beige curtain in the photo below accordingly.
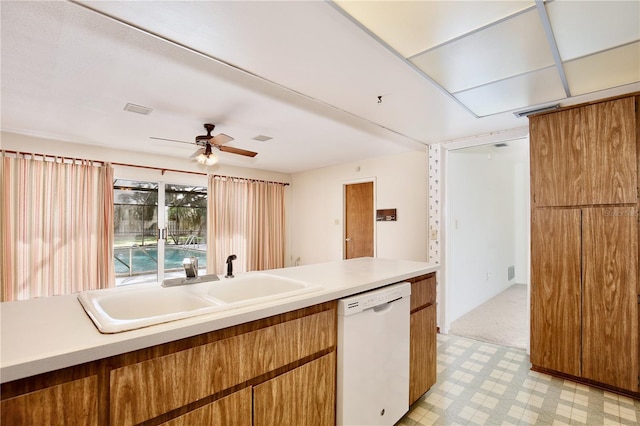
(246, 218)
(56, 226)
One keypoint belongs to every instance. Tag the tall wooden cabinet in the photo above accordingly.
(584, 243)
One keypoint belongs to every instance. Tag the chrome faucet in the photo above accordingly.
(230, 260)
(190, 266)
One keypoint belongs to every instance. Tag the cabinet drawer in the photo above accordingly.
(234, 409)
(71, 403)
(147, 389)
(423, 291)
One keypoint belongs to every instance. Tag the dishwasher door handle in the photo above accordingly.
(383, 307)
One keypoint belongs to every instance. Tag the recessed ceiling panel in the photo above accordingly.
(585, 27)
(611, 68)
(514, 93)
(411, 27)
(509, 48)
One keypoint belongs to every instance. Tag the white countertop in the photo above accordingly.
(46, 334)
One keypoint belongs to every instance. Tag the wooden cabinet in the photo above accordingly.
(234, 409)
(74, 402)
(584, 246)
(610, 306)
(556, 289)
(583, 297)
(557, 159)
(205, 379)
(303, 396)
(422, 336)
(585, 156)
(147, 389)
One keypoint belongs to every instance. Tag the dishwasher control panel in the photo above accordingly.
(371, 299)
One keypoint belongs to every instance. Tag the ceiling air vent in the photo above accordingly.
(138, 109)
(262, 138)
(528, 112)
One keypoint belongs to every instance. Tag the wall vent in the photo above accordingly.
(528, 112)
(511, 272)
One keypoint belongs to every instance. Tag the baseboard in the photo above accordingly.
(624, 392)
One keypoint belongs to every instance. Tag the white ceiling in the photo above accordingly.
(305, 73)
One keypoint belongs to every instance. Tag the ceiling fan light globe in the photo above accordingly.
(207, 159)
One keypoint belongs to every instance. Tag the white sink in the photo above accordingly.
(254, 288)
(122, 309)
(116, 310)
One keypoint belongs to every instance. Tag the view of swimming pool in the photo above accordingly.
(144, 259)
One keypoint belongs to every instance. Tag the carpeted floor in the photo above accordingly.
(501, 320)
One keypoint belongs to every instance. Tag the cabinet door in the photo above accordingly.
(234, 409)
(71, 403)
(555, 289)
(611, 162)
(557, 159)
(147, 389)
(303, 396)
(422, 359)
(610, 306)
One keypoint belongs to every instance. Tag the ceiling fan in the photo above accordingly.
(205, 155)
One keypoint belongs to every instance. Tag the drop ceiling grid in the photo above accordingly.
(512, 47)
(505, 64)
(412, 27)
(611, 68)
(586, 27)
(532, 88)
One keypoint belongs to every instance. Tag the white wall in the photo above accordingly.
(317, 211)
(487, 229)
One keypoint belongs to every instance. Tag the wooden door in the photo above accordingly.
(555, 290)
(557, 159)
(610, 305)
(303, 396)
(610, 140)
(358, 239)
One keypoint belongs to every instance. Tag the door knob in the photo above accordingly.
(348, 239)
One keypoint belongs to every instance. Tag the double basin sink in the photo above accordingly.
(122, 309)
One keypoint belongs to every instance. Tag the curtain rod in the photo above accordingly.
(161, 169)
(251, 179)
(52, 156)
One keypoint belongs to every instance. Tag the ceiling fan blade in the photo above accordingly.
(237, 151)
(220, 139)
(170, 140)
(198, 152)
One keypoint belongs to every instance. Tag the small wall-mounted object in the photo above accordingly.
(386, 215)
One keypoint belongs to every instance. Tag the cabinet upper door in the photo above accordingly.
(610, 306)
(612, 161)
(557, 159)
(555, 290)
(585, 156)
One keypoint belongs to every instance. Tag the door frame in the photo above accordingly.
(446, 229)
(344, 213)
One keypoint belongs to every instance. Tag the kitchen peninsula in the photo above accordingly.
(241, 363)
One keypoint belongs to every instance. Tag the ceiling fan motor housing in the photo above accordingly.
(203, 139)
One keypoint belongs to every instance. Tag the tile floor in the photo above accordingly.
(484, 384)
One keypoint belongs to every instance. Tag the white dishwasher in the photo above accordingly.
(373, 357)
